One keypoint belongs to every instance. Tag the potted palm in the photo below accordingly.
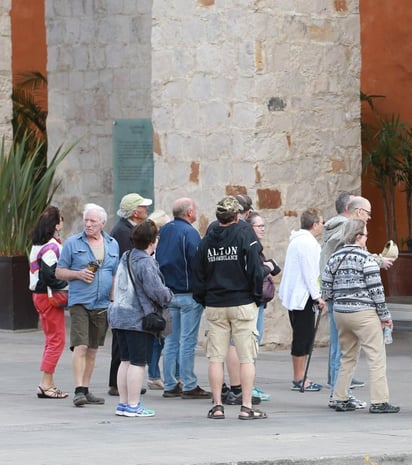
(388, 161)
(26, 188)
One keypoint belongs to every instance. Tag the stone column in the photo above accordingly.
(257, 97)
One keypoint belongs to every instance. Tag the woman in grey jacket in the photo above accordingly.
(137, 293)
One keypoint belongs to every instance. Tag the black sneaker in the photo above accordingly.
(196, 393)
(344, 406)
(175, 392)
(383, 408)
(113, 391)
(236, 399)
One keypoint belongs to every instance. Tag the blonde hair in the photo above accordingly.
(159, 218)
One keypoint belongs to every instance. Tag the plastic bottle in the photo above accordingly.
(387, 335)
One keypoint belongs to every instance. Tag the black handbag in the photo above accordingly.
(153, 322)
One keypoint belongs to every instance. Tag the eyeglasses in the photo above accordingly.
(260, 226)
(367, 212)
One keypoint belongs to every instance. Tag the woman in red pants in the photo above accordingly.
(44, 255)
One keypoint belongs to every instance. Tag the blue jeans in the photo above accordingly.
(335, 353)
(153, 368)
(260, 321)
(180, 345)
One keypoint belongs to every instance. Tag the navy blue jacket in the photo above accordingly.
(178, 242)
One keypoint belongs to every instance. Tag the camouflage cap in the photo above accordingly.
(229, 204)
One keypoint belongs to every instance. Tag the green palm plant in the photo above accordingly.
(26, 188)
(30, 105)
(406, 180)
(383, 163)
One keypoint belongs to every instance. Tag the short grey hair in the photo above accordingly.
(92, 206)
(353, 227)
(342, 201)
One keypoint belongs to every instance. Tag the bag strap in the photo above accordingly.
(130, 271)
(341, 261)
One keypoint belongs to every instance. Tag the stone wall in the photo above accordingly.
(99, 69)
(5, 70)
(245, 96)
(257, 97)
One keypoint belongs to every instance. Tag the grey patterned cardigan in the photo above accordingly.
(352, 279)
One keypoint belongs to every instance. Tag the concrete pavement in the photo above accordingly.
(301, 429)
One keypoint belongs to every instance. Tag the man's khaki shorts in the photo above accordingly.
(238, 322)
(88, 327)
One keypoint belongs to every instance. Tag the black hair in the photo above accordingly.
(45, 227)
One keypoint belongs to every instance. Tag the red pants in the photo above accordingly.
(53, 324)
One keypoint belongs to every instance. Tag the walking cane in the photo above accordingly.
(319, 314)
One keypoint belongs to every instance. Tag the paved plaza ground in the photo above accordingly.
(301, 429)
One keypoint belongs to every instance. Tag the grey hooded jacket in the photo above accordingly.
(128, 308)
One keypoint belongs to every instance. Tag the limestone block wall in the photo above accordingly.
(257, 97)
(98, 69)
(5, 70)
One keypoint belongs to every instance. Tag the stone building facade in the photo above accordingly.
(5, 70)
(260, 97)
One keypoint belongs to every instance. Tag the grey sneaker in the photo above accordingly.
(345, 406)
(358, 403)
(236, 399)
(383, 408)
(92, 399)
(80, 399)
(356, 384)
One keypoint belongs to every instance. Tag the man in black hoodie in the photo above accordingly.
(228, 279)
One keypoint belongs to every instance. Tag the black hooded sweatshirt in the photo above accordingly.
(227, 267)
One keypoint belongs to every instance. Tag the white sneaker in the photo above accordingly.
(359, 403)
(155, 384)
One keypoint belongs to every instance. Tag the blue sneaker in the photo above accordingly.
(138, 411)
(261, 394)
(120, 409)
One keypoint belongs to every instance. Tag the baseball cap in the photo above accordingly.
(131, 201)
(229, 204)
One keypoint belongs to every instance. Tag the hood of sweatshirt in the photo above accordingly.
(332, 226)
(223, 235)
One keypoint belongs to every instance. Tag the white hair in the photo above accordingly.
(92, 206)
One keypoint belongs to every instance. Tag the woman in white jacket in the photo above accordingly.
(299, 290)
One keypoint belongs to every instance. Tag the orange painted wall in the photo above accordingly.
(386, 40)
(28, 30)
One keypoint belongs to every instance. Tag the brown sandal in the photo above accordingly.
(51, 393)
(252, 414)
(212, 413)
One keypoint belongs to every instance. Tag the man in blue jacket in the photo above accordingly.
(178, 241)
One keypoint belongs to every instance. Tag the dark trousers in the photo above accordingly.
(115, 362)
